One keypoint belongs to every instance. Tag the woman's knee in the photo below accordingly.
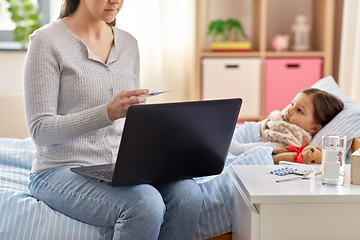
(185, 194)
(193, 193)
(143, 207)
(146, 202)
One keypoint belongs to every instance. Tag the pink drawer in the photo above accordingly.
(286, 77)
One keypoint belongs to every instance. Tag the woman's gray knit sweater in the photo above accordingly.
(66, 91)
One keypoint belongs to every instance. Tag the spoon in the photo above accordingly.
(306, 175)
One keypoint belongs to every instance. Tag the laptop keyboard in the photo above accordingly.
(106, 174)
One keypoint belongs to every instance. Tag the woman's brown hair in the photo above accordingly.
(326, 105)
(68, 7)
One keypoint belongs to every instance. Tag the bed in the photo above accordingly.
(23, 217)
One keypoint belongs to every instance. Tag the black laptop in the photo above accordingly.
(171, 141)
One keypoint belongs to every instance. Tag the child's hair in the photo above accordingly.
(326, 105)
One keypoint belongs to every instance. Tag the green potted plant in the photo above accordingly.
(26, 17)
(227, 29)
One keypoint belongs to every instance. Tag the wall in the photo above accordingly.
(12, 116)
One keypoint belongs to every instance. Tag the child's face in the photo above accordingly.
(301, 113)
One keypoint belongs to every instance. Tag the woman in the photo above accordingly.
(81, 76)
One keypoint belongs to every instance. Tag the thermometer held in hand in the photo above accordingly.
(155, 93)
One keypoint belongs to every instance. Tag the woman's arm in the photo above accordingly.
(41, 89)
(67, 90)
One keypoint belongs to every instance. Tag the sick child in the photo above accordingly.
(308, 113)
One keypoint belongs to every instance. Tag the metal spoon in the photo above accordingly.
(305, 176)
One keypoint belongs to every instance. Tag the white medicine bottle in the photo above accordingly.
(331, 165)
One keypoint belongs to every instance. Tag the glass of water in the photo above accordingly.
(333, 160)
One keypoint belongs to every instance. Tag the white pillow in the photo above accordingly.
(347, 122)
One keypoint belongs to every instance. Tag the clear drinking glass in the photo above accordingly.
(333, 160)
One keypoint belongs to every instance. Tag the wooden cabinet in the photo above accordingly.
(262, 19)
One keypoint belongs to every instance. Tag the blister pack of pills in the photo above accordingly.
(287, 170)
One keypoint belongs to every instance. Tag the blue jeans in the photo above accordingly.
(167, 210)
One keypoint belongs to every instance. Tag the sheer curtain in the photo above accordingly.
(165, 33)
(349, 69)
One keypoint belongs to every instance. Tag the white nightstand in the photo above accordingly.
(298, 209)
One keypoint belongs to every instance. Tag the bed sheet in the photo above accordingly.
(23, 217)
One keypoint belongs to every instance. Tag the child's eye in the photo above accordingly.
(300, 111)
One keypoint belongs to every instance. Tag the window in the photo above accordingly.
(6, 25)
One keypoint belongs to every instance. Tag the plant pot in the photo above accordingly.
(231, 46)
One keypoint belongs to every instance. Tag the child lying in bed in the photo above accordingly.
(309, 111)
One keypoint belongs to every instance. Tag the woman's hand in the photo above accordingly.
(118, 107)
